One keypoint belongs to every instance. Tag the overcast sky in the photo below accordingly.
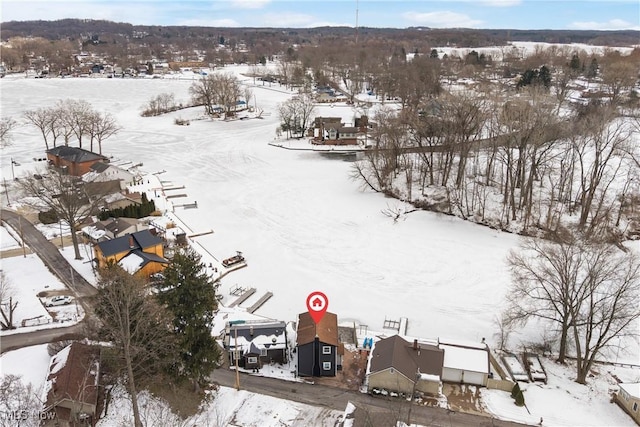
(517, 14)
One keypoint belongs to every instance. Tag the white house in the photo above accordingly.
(101, 172)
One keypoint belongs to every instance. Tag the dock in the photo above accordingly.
(260, 302)
(203, 233)
(242, 298)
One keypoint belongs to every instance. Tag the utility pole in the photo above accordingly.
(235, 348)
(73, 278)
(6, 191)
(24, 249)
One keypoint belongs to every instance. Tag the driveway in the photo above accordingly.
(52, 258)
(48, 253)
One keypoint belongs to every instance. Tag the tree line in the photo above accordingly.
(72, 120)
(518, 158)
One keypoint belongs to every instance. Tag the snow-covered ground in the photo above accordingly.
(302, 224)
(28, 277)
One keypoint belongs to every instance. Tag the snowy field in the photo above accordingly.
(303, 225)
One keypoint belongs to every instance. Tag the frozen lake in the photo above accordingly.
(302, 223)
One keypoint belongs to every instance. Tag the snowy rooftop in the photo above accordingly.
(131, 263)
(633, 389)
(469, 359)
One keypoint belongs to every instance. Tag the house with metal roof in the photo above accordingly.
(318, 347)
(403, 367)
(140, 253)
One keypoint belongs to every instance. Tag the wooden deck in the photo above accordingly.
(242, 298)
(260, 302)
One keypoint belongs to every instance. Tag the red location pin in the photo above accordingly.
(317, 304)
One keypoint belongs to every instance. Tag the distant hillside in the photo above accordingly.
(72, 29)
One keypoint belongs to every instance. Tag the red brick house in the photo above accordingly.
(76, 161)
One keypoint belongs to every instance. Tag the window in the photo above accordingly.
(326, 349)
(326, 366)
(263, 352)
(635, 406)
(252, 360)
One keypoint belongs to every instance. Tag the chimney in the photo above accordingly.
(415, 344)
(131, 243)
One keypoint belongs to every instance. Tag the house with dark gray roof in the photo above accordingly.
(140, 253)
(403, 367)
(75, 161)
(255, 343)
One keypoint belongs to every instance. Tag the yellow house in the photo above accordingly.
(140, 253)
(629, 399)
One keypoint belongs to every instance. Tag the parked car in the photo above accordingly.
(59, 300)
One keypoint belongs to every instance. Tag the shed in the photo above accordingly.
(465, 365)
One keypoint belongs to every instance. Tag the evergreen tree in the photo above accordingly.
(544, 76)
(575, 63)
(593, 68)
(515, 390)
(434, 53)
(190, 295)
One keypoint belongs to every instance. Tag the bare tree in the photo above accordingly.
(77, 117)
(137, 327)
(591, 291)
(610, 304)
(63, 194)
(20, 401)
(7, 304)
(42, 118)
(601, 155)
(619, 77)
(504, 327)
(7, 124)
(217, 90)
(101, 126)
(544, 286)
